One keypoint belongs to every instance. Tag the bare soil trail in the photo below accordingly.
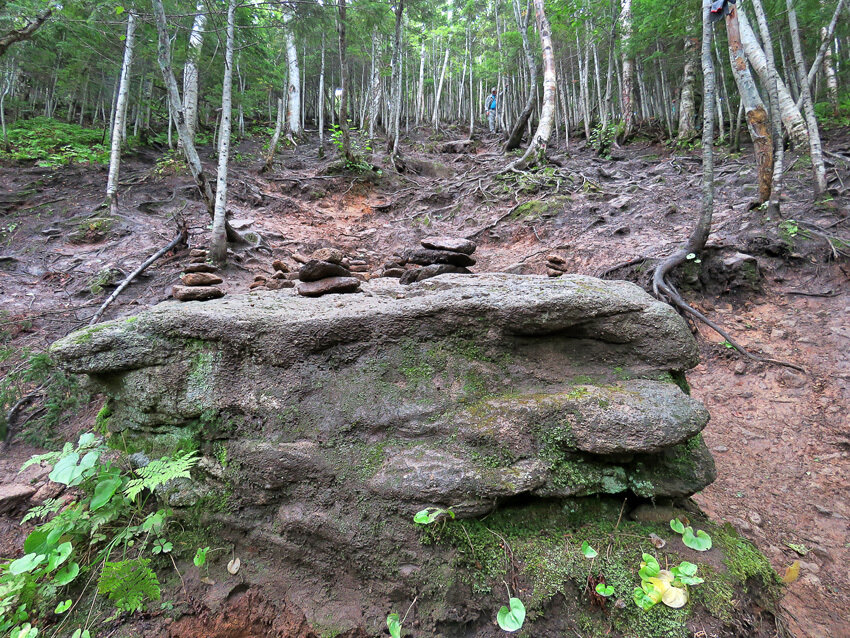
(781, 439)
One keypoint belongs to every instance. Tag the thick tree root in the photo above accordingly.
(666, 291)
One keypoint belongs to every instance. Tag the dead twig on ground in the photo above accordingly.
(182, 236)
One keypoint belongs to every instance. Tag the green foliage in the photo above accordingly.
(394, 625)
(511, 618)
(359, 149)
(431, 514)
(108, 519)
(129, 583)
(200, 558)
(700, 541)
(588, 551)
(54, 143)
(60, 392)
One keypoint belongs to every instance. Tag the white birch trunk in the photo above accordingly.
(321, 102)
(293, 91)
(218, 241)
(120, 114)
(628, 67)
(687, 131)
(537, 148)
(190, 71)
(420, 91)
(278, 127)
(440, 88)
(818, 169)
(791, 117)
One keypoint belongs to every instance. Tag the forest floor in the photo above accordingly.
(780, 437)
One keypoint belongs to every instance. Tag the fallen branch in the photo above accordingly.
(182, 236)
(12, 413)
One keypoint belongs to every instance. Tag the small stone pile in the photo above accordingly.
(437, 256)
(555, 265)
(200, 281)
(282, 278)
(326, 272)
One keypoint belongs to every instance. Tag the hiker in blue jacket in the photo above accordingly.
(492, 103)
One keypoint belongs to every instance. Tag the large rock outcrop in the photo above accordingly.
(326, 423)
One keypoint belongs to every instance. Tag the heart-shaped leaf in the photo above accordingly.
(26, 563)
(103, 492)
(677, 526)
(66, 574)
(700, 542)
(604, 590)
(58, 556)
(62, 607)
(588, 551)
(688, 569)
(394, 625)
(643, 600)
(511, 619)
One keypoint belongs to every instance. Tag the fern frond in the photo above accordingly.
(50, 506)
(160, 472)
(129, 583)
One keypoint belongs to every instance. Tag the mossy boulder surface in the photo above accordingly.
(325, 424)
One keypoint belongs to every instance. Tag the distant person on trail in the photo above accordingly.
(492, 103)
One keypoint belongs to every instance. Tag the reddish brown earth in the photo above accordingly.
(781, 438)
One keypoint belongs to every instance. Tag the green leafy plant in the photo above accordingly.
(431, 514)
(588, 551)
(604, 590)
(200, 558)
(661, 585)
(108, 520)
(511, 617)
(52, 143)
(700, 541)
(394, 625)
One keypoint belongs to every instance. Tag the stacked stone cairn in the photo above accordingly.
(438, 255)
(555, 265)
(326, 271)
(282, 278)
(199, 279)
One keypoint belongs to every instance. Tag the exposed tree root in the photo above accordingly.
(663, 289)
(182, 236)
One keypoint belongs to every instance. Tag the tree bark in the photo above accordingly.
(792, 120)
(537, 147)
(825, 40)
(395, 85)
(293, 121)
(175, 107)
(687, 131)
(321, 102)
(757, 119)
(218, 241)
(772, 83)
(343, 83)
(515, 137)
(190, 70)
(120, 115)
(440, 88)
(278, 128)
(818, 169)
(628, 68)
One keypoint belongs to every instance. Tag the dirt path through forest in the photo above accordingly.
(780, 438)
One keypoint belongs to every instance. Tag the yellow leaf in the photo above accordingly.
(792, 573)
(660, 585)
(667, 575)
(675, 597)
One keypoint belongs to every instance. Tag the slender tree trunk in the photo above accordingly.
(397, 62)
(440, 88)
(537, 147)
(773, 90)
(343, 83)
(175, 106)
(757, 118)
(293, 91)
(628, 68)
(826, 39)
(190, 71)
(686, 101)
(515, 136)
(321, 102)
(218, 241)
(120, 114)
(374, 88)
(420, 91)
(278, 128)
(818, 168)
(791, 117)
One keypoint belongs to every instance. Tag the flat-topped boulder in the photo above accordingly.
(463, 392)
